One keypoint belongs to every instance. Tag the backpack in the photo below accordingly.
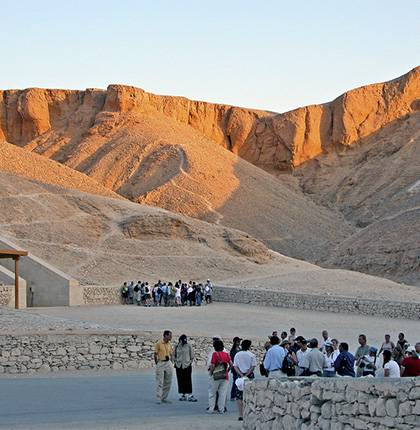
(288, 366)
(219, 371)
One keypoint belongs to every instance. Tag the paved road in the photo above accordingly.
(95, 401)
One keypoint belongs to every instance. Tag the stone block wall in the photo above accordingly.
(7, 295)
(389, 309)
(60, 352)
(332, 404)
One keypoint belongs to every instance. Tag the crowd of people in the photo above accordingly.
(167, 293)
(285, 356)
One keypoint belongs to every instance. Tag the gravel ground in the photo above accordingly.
(226, 320)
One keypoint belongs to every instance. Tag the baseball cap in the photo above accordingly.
(411, 349)
(373, 349)
(285, 342)
(216, 337)
(236, 339)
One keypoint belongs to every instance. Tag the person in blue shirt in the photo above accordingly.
(274, 357)
(344, 363)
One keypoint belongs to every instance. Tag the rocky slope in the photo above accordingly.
(376, 186)
(105, 241)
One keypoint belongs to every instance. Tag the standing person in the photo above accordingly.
(208, 291)
(325, 338)
(329, 370)
(417, 348)
(131, 293)
(236, 347)
(178, 295)
(292, 335)
(283, 336)
(361, 351)
(391, 368)
(316, 359)
(344, 363)
(368, 362)
(399, 351)
(244, 364)
(387, 345)
(183, 359)
(162, 356)
(124, 293)
(302, 368)
(219, 372)
(410, 366)
(273, 361)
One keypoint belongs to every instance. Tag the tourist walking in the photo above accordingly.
(344, 363)
(273, 361)
(162, 356)
(183, 359)
(244, 364)
(220, 365)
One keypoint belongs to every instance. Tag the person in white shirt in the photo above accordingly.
(325, 338)
(391, 368)
(244, 364)
(330, 356)
(302, 357)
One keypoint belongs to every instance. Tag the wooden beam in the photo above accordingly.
(16, 282)
(11, 253)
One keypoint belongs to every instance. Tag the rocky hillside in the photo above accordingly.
(336, 192)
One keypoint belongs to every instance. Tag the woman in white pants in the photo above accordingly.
(220, 366)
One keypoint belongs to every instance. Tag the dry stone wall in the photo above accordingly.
(332, 404)
(61, 352)
(389, 309)
(7, 295)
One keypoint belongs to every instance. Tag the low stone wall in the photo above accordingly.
(58, 352)
(7, 295)
(332, 403)
(101, 295)
(389, 309)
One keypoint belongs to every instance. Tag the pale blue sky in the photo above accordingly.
(274, 55)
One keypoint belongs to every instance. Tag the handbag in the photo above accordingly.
(219, 371)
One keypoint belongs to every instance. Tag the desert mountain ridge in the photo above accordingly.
(204, 160)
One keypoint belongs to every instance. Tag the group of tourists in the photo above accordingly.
(167, 293)
(285, 355)
(291, 355)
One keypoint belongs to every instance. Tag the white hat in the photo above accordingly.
(240, 383)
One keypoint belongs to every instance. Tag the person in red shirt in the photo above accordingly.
(220, 366)
(410, 366)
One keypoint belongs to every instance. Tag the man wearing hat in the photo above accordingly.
(410, 366)
(236, 347)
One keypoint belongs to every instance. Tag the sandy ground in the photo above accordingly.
(229, 320)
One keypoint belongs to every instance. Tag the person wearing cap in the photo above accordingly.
(273, 361)
(162, 356)
(183, 359)
(236, 347)
(244, 364)
(368, 362)
(410, 366)
(361, 351)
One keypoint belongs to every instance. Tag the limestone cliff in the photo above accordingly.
(269, 140)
